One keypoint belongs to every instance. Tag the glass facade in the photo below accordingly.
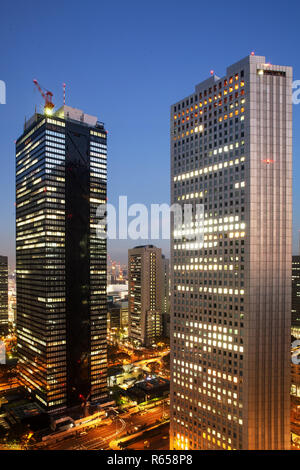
(61, 265)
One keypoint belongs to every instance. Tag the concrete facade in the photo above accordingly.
(145, 294)
(231, 150)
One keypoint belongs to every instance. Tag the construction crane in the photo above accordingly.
(47, 95)
(116, 268)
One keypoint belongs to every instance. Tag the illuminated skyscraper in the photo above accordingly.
(296, 296)
(61, 264)
(3, 295)
(166, 296)
(145, 294)
(231, 150)
(166, 282)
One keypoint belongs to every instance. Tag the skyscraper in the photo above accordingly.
(231, 150)
(61, 264)
(166, 282)
(296, 296)
(145, 294)
(166, 296)
(3, 295)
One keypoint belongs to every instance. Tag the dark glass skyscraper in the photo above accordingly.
(61, 264)
(3, 295)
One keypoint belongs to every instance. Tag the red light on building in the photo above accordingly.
(268, 161)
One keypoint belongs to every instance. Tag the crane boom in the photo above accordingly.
(47, 95)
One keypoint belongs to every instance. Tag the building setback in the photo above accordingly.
(145, 294)
(3, 295)
(231, 150)
(61, 264)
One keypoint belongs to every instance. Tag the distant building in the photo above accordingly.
(296, 296)
(124, 313)
(125, 375)
(114, 315)
(157, 387)
(117, 315)
(3, 295)
(118, 291)
(61, 263)
(145, 294)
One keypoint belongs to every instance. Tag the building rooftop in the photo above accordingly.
(70, 114)
(73, 114)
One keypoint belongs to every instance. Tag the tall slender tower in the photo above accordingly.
(61, 264)
(145, 294)
(231, 150)
(3, 295)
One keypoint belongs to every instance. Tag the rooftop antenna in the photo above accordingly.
(64, 87)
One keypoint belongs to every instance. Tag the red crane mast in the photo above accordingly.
(47, 95)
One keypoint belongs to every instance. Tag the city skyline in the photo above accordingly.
(143, 82)
(150, 228)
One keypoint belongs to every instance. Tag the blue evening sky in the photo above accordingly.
(127, 62)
